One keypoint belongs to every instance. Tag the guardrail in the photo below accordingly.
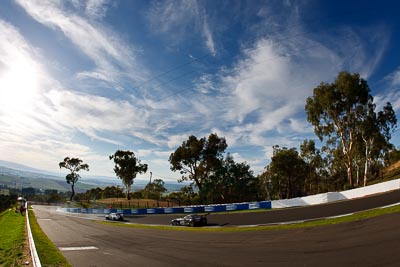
(187, 209)
(275, 204)
(34, 255)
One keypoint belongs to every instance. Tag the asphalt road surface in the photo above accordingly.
(282, 215)
(370, 242)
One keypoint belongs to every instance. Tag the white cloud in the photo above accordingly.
(257, 99)
(393, 78)
(40, 127)
(176, 140)
(96, 8)
(391, 83)
(177, 19)
(396, 78)
(112, 57)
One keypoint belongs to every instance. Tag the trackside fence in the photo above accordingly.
(275, 204)
(187, 209)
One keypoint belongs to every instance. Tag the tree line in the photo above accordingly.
(355, 140)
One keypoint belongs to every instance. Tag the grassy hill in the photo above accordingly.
(41, 183)
(22, 179)
(392, 172)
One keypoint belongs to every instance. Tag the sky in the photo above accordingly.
(84, 78)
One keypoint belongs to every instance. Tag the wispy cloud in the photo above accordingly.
(96, 8)
(262, 96)
(392, 92)
(44, 116)
(255, 98)
(178, 19)
(113, 58)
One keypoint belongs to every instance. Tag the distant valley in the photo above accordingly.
(13, 175)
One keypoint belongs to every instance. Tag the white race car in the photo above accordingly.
(115, 216)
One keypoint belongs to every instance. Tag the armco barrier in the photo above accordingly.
(188, 209)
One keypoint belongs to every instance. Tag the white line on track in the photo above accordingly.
(77, 248)
(388, 206)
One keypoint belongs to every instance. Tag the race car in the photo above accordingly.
(190, 220)
(115, 216)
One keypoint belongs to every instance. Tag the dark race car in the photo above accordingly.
(190, 220)
(115, 216)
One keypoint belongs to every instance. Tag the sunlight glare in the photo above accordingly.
(18, 87)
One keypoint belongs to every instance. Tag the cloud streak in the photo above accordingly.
(255, 98)
(179, 18)
(113, 59)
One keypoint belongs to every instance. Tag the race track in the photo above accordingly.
(282, 215)
(370, 242)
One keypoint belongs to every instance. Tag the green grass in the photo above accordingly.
(317, 223)
(12, 233)
(49, 255)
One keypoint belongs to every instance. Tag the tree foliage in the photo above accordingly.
(185, 196)
(74, 165)
(375, 132)
(126, 167)
(316, 177)
(343, 112)
(196, 158)
(155, 189)
(231, 182)
(286, 173)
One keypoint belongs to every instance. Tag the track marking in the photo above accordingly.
(340, 216)
(388, 206)
(77, 248)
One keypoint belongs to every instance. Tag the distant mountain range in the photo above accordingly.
(16, 175)
(24, 168)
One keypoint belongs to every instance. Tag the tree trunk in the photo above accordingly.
(358, 175)
(367, 159)
(366, 171)
(350, 173)
(128, 190)
(73, 191)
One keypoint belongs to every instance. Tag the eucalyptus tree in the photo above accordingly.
(196, 158)
(317, 172)
(286, 173)
(155, 189)
(74, 165)
(232, 182)
(375, 129)
(126, 167)
(335, 111)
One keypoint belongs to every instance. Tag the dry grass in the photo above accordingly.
(394, 166)
(391, 172)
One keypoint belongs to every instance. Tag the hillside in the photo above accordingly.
(29, 177)
(12, 181)
(392, 172)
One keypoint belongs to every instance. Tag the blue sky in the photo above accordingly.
(85, 78)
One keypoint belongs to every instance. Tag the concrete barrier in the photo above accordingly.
(372, 189)
(336, 196)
